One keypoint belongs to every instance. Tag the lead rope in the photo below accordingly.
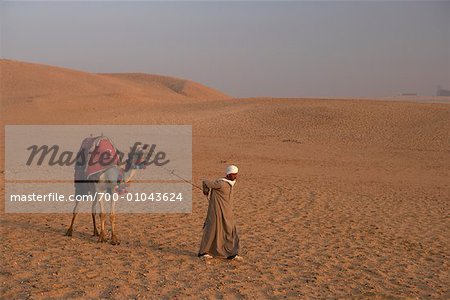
(185, 180)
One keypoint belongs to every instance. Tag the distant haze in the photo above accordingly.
(280, 49)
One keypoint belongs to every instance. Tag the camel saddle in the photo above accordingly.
(96, 155)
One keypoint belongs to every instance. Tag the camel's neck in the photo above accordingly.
(129, 174)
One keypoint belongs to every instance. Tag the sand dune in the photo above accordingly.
(29, 82)
(170, 86)
(336, 199)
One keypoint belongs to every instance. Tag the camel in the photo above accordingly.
(107, 181)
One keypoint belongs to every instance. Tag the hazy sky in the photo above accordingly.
(285, 49)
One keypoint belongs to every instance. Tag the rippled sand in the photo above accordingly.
(336, 198)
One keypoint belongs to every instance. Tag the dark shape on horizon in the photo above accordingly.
(442, 92)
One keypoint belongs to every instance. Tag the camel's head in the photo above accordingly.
(137, 157)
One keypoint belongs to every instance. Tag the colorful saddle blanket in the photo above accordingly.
(96, 154)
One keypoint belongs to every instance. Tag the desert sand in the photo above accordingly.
(336, 198)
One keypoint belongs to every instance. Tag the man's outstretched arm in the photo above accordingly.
(211, 185)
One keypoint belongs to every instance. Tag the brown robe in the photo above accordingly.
(220, 237)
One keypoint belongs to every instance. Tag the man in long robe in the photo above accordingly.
(220, 237)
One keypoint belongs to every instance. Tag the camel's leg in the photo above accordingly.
(114, 239)
(112, 219)
(75, 212)
(94, 204)
(102, 237)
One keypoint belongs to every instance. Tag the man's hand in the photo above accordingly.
(205, 189)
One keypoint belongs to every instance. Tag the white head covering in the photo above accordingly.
(232, 169)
